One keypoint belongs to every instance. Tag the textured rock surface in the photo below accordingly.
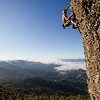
(88, 14)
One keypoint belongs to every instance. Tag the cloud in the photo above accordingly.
(68, 65)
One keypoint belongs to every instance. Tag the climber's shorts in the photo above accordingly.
(67, 24)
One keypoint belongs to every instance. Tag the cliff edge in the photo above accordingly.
(88, 14)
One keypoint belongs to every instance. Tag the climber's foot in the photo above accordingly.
(63, 26)
(74, 26)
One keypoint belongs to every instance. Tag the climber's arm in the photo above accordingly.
(67, 7)
(70, 16)
(66, 18)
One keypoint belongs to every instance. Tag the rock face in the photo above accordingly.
(88, 14)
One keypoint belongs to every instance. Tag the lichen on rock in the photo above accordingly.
(88, 14)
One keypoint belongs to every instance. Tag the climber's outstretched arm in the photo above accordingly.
(71, 16)
(67, 8)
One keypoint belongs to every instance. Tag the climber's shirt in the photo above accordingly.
(66, 21)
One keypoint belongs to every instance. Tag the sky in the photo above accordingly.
(31, 30)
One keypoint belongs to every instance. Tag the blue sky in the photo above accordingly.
(31, 29)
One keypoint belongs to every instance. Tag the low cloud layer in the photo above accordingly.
(68, 65)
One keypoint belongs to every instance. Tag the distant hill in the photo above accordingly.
(74, 83)
(19, 69)
(39, 78)
(13, 70)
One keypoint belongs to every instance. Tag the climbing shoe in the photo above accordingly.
(63, 26)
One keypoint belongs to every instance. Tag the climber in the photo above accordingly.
(67, 21)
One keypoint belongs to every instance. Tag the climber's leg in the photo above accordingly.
(74, 24)
(66, 25)
(74, 21)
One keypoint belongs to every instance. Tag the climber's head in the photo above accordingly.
(64, 11)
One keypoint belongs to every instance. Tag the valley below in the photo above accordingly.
(28, 80)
